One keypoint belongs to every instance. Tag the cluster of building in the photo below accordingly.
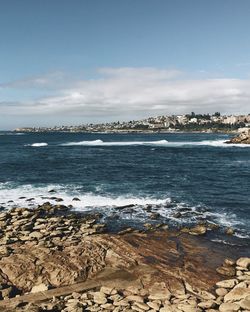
(189, 122)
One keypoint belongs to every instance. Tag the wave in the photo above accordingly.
(118, 143)
(127, 208)
(12, 133)
(42, 144)
(163, 143)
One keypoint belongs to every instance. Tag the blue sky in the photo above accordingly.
(79, 61)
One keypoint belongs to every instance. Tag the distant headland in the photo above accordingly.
(187, 123)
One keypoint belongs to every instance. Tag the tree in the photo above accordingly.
(217, 114)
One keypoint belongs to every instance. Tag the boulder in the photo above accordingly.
(237, 294)
(242, 138)
(198, 230)
(243, 262)
(40, 287)
(229, 307)
(227, 283)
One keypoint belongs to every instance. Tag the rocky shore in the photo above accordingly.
(52, 259)
(242, 138)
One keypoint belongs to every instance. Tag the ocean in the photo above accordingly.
(176, 178)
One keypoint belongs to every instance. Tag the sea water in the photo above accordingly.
(181, 178)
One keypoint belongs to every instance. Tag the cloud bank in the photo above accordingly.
(128, 92)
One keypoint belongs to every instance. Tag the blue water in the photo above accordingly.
(195, 174)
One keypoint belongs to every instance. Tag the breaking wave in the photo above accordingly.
(164, 143)
(42, 144)
(118, 143)
(128, 208)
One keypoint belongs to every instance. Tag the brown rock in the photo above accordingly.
(229, 307)
(237, 294)
(198, 230)
(244, 263)
(226, 271)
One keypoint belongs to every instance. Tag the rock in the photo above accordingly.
(100, 298)
(159, 291)
(108, 290)
(154, 305)
(121, 303)
(5, 251)
(221, 292)
(242, 138)
(245, 303)
(7, 292)
(134, 298)
(227, 283)
(198, 230)
(244, 263)
(142, 306)
(229, 307)
(241, 285)
(229, 262)
(207, 304)
(40, 287)
(229, 231)
(177, 215)
(76, 199)
(226, 271)
(237, 294)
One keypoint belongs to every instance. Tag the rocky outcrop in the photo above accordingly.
(242, 138)
(231, 295)
(49, 248)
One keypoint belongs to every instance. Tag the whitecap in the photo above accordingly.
(163, 143)
(42, 144)
(114, 143)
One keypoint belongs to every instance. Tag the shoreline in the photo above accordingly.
(51, 247)
(176, 131)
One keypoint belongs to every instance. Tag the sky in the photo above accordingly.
(80, 61)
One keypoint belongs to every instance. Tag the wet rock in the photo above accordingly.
(198, 230)
(230, 231)
(177, 215)
(242, 138)
(30, 199)
(155, 216)
(229, 262)
(76, 199)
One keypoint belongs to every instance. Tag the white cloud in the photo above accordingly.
(134, 93)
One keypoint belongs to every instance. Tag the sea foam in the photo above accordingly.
(42, 144)
(163, 143)
(129, 207)
(114, 143)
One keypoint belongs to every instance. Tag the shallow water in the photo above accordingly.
(197, 175)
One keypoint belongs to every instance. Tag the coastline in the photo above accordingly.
(131, 131)
(52, 247)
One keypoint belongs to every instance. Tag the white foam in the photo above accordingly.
(12, 133)
(108, 204)
(213, 143)
(42, 144)
(88, 201)
(114, 143)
